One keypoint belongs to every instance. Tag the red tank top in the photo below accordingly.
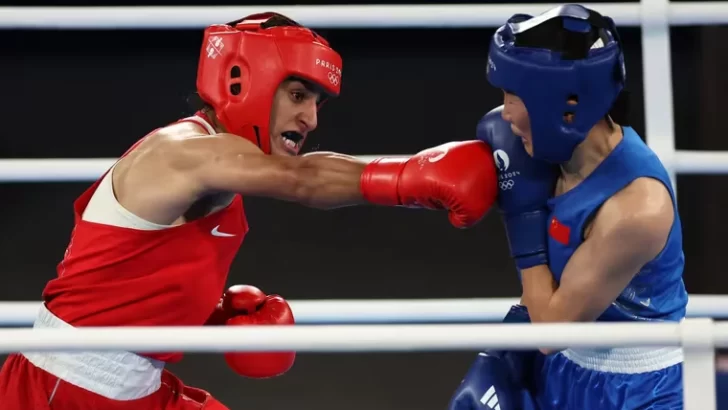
(114, 276)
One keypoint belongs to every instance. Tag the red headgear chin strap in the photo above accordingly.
(242, 64)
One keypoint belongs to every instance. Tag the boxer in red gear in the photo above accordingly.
(154, 237)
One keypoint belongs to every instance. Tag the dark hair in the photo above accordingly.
(195, 104)
(619, 113)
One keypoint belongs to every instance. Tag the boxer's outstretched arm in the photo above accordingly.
(232, 164)
(629, 231)
(459, 176)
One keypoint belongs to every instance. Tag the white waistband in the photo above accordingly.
(115, 375)
(625, 360)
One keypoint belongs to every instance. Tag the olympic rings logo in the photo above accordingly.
(333, 78)
(506, 185)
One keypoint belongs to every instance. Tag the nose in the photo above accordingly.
(506, 113)
(308, 118)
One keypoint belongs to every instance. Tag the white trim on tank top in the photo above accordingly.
(103, 208)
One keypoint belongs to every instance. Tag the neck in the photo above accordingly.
(587, 156)
(209, 113)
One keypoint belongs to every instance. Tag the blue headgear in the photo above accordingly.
(569, 52)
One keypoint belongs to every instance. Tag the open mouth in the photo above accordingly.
(292, 141)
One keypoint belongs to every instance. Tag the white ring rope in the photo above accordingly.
(698, 337)
(358, 338)
(61, 169)
(339, 16)
(392, 311)
(654, 18)
(89, 169)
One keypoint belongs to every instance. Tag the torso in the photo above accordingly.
(121, 269)
(657, 291)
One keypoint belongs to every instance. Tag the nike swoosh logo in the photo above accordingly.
(215, 232)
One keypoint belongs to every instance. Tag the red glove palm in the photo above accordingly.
(248, 305)
(457, 176)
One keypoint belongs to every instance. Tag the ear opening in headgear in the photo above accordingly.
(235, 72)
(236, 87)
(572, 100)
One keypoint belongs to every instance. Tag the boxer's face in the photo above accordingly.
(514, 111)
(293, 115)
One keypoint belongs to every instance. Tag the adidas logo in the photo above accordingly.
(490, 399)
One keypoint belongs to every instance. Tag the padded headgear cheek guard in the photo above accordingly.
(243, 63)
(567, 53)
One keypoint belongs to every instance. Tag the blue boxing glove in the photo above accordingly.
(499, 379)
(525, 185)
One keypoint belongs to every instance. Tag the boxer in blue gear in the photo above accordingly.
(606, 244)
(506, 378)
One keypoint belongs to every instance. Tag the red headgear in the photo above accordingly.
(242, 64)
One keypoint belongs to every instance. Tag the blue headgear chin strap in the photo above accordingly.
(569, 52)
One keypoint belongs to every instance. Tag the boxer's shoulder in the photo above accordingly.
(160, 176)
(642, 211)
(184, 145)
(644, 197)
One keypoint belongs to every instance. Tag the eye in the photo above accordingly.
(298, 96)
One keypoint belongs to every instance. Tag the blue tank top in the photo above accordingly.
(657, 292)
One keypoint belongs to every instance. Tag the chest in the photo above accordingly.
(570, 223)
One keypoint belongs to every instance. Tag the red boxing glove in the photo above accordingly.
(248, 305)
(218, 317)
(457, 176)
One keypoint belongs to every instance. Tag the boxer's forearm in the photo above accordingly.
(539, 288)
(329, 180)
(548, 302)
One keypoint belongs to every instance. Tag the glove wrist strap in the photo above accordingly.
(380, 180)
(527, 238)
